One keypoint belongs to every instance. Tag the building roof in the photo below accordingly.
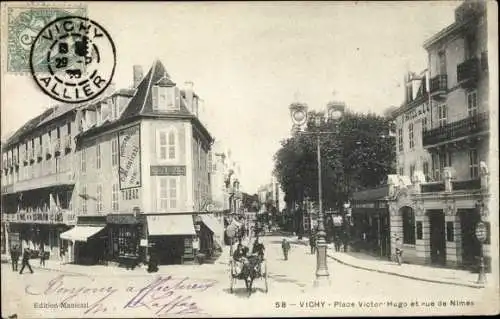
(28, 127)
(465, 15)
(141, 104)
(371, 194)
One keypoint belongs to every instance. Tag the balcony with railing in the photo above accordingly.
(472, 184)
(66, 178)
(468, 73)
(432, 187)
(439, 86)
(469, 126)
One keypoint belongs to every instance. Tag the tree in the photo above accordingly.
(359, 154)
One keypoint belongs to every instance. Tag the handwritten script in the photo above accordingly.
(163, 295)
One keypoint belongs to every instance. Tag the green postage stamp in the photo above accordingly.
(25, 21)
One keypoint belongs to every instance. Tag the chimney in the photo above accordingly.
(188, 91)
(138, 75)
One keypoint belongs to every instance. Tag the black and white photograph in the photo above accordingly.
(249, 159)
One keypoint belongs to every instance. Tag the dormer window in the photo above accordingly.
(165, 95)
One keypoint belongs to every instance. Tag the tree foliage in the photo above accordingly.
(356, 153)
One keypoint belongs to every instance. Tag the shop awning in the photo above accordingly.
(81, 233)
(170, 225)
(213, 224)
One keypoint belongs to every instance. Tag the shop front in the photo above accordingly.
(371, 222)
(125, 232)
(171, 238)
(86, 242)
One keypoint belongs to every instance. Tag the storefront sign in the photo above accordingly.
(130, 154)
(168, 170)
(364, 205)
(121, 219)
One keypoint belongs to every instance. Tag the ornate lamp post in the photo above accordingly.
(298, 112)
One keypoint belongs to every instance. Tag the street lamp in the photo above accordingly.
(298, 113)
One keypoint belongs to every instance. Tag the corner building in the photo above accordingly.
(443, 146)
(141, 176)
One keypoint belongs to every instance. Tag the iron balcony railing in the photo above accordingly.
(468, 71)
(468, 126)
(439, 84)
(466, 185)
(432, 187)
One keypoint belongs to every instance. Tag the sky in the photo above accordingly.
(249, 61)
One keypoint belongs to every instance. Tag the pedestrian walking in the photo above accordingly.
(345, 242)
(14, 256)
(399, 251)
(26, 260)
(312, 242)
(285, 245)
(42, 256)
(338, 243)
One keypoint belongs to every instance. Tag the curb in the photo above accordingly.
(477, 286)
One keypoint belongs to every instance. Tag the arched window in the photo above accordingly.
(408, 225)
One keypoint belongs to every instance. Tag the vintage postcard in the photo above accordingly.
(249, 159)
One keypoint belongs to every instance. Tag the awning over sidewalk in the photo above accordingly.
(213, 224)
(81, 233)
(217, 228)
(170, 225)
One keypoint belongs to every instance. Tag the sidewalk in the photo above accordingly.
(417, 272)
(106, 270)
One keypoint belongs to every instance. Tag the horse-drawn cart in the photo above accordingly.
(254, 267)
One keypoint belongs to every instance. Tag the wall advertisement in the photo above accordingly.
(129, 145)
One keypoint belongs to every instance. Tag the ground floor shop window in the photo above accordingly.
(125, 240)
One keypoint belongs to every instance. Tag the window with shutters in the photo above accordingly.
(83, 199)
(167, 145)
(98, 155)
(165, 98)
(411, 136)
(114, 198)
(83, 161)
(472, 103)
(99, 205)
(400, 139)
(167, 193)
(114, 152)
(442, 115)
(473, 164)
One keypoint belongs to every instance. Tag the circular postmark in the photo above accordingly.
(73, 59)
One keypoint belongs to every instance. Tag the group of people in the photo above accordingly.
(15, 254)
(241, 256)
